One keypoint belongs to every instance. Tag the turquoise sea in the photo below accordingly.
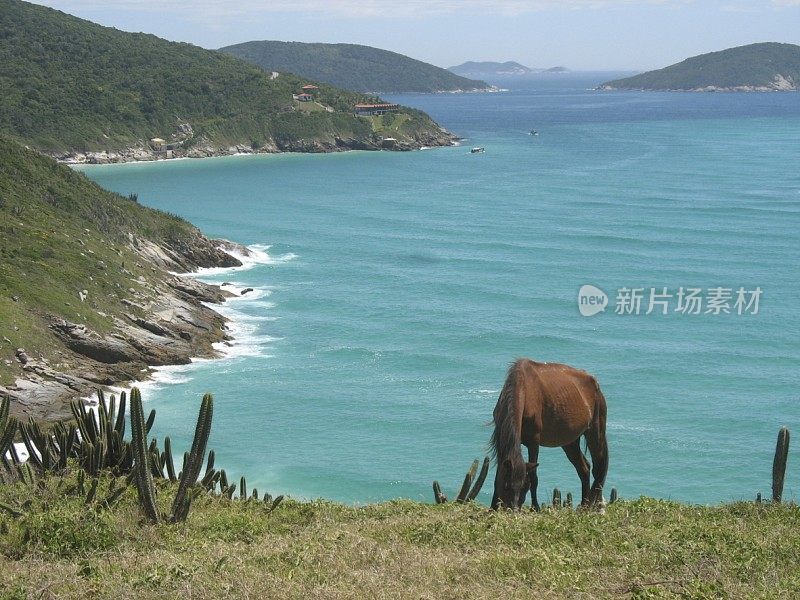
(393, 289)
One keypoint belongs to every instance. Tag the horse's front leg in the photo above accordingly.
(533, 474)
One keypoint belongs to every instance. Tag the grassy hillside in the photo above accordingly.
(760, 66)
(69, 84)
(61, 234)
(639, 549)
(352, 67)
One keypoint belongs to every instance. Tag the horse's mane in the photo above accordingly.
(505, 437)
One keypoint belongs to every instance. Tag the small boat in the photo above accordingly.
(533, 132)
(477, 150)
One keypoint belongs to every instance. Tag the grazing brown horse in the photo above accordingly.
(547, 404)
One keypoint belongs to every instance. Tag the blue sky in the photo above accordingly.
(579, 34)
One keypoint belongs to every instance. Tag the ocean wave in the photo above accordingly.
(258, 254)
(242, 327)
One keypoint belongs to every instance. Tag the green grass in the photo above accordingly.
(308, 107)
(643, 548)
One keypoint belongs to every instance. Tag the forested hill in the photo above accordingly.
(758, 67)
(353, 67)
(69, 84)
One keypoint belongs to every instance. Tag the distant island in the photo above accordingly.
(353, 67)
(763, 67)
(495, 69)
(81, 92)
(488, 68)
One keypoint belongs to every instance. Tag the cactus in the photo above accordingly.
(568, 500)
(614, 496)
(438, 496)
(194, 461)
(779, 464)
(26, 474)
(462, 493)
(210, 463)
(8, 426)
(758, 498)
(92, 491)
(242, 488)
(481, 479)
(114, 493)
(166, 458)
(143, 474)
(210, 480)
(275, 503)
(556, 498)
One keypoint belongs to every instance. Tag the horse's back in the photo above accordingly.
(559, 401)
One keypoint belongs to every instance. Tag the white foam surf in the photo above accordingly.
(246, 340)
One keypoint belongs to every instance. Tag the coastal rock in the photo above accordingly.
(150, 326)
(22, 356)
(81, 340)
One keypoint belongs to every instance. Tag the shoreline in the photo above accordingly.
(142, 153)
(238, 343)
(172, 320)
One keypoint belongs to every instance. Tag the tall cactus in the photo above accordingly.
(195, 460)
(481, 479)
(438, 495)
(166, 457)
(464, 491)
(141, 454)
(779, 464)
(8, 426)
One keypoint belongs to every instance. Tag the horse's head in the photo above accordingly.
(511, 483)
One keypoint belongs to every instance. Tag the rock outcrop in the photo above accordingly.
(171, 325)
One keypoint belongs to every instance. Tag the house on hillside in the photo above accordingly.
(304, 97)
(157, 144)
(309, 89)
(369, 110)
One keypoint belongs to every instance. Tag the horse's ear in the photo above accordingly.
(531, 466)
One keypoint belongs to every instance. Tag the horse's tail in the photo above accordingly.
(505, 437)
(599, 415)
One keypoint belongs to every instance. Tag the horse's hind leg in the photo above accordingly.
(575, 456)
(533, 459)
(598, 447)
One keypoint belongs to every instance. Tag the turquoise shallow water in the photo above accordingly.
(394, 289)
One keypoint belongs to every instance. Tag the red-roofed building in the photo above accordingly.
(305, 97)
(309, 88)
(368, 110)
